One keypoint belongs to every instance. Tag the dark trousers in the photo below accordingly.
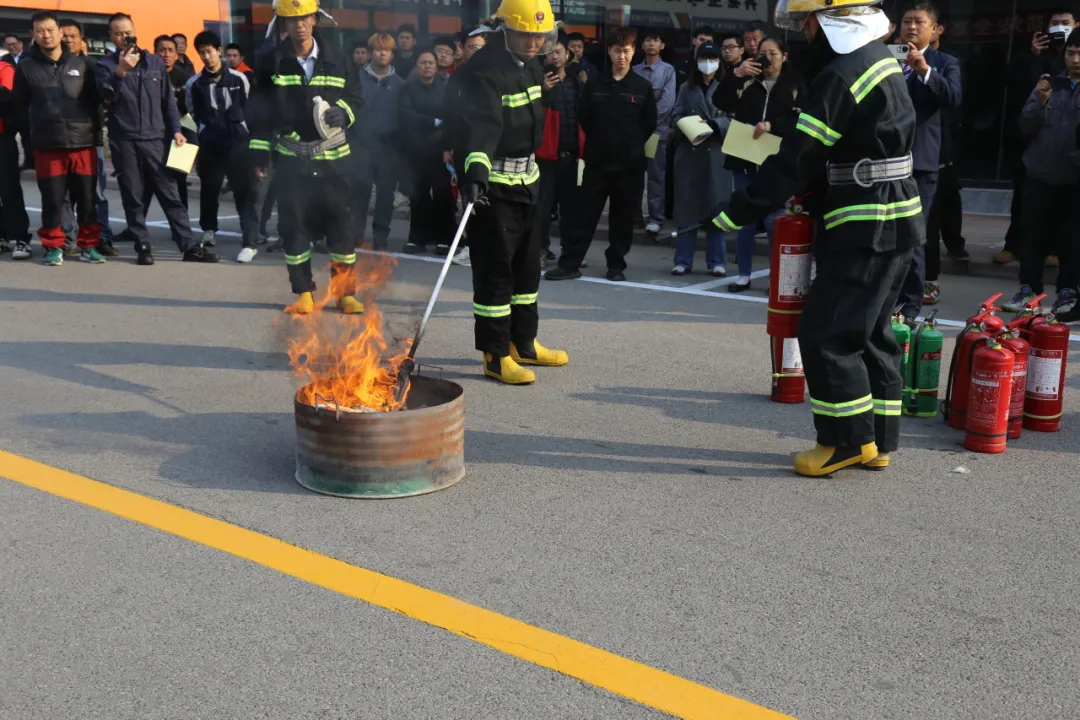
(911, 295)
(850, 355)
(1014, 236)
(558, 186)
(214, 167)
(140, 170)
(267, 209)
(15, 220)
(378, 167)
(505, 254)
(945, 221)
(1049, 220)
(622, 189)
(60, 172)
(311, 206)
(431, 203)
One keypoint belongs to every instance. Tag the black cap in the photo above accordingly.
(707, 48)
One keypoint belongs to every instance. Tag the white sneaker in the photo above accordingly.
(209, 238)
(652, 227)
(462, 258)
(22, 251)
(247, 255)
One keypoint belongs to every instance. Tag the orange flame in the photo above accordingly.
(346, 361)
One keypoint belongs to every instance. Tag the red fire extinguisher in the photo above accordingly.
(1046, 376)
(987, 420)
(788, 380)
(981, 326)
(1020, 349)
(789, 273)
(1029, 318)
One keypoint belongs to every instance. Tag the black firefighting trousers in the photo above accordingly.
(850, 355)
(505, 254)
(307, 201)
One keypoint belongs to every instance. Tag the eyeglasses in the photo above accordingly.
(729, 48)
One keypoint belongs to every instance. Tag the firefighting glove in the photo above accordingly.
(473, 192)
(335, 117)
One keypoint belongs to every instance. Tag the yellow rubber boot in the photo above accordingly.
(304, 305)
(539, 355)
(879, 463)
(350, 305)
(505, 369)
(824, 460)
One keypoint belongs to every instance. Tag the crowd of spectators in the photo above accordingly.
(611, 141)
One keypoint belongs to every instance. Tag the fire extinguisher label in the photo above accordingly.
(1044, 374)
(794, 281)
(792, 364)
(983, 404)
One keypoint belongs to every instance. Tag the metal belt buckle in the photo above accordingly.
(855, 174)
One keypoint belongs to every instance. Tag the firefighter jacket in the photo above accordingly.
(282, 102)
(857, 109)
(500, 122)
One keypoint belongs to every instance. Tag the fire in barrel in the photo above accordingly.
(354, 438)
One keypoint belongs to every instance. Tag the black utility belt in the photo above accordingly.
(867, 173)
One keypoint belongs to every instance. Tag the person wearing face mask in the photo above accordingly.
(1046, 56)
(765, 93)
(701, 180)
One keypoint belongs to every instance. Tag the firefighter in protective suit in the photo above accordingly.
(853, 146)
(501, 125)
(307, 92)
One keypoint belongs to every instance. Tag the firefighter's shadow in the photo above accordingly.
(253, 452)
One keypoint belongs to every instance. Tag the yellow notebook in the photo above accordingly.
(740, 143)
(182, 158)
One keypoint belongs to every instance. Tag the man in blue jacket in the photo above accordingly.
(136, 88)
(933, 80)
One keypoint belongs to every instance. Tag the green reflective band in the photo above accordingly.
(298, 259)
(725, 223)
(515, 178)
(344, 259)
(840, 410)
(348, 110)
(523, 98)
(872, 77)
(477, 157)
(491, 311)
(254, 144)
(818, 130)
(874, 212)
(283, 151)
(335, 154)
(293, 136)
(888, 407)
(327, 81)
(523, 299)
(1042, 417)
(286, 80)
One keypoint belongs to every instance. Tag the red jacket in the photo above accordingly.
(7, 94)
(549, 148)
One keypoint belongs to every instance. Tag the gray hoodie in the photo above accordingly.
(379, 118)
(1052, 155)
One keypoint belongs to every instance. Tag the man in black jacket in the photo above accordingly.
(56, 97)
(217, 98)
(618, 114)
(141, 109)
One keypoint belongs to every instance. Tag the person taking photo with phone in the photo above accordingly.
(1046, 56)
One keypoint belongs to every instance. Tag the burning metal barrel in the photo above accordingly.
(415, 450)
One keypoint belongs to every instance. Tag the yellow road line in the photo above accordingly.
(611, 672)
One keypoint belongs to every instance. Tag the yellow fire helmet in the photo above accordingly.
(295, 8)
(530, 17)
(792, 14)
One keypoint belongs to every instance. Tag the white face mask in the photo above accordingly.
(708, 67)
(1060, 30)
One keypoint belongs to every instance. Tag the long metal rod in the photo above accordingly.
(439, 283)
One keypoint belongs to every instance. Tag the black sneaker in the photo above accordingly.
(412, 248)
(106, 248)
(562, 274)
(616, 276)
(548, 255)
(145, 255)
(960, 255)
(200, 254)
(442, 249)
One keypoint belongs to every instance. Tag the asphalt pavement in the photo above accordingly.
(639, 500)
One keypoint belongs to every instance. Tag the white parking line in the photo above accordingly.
(699, 290)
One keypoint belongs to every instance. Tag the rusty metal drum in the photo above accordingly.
(374, 455)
